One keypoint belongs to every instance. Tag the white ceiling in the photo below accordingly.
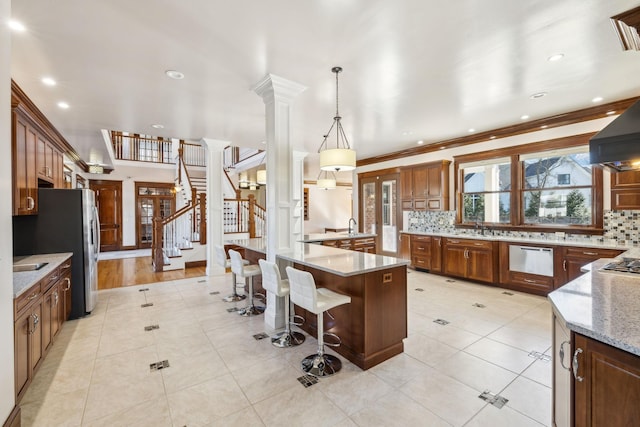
(413, 69)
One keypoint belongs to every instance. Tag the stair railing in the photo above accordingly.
(244, 216)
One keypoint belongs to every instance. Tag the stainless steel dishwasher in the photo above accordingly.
(531, 259)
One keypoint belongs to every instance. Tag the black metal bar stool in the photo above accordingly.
(273, 282)
(246, 272)
(305, 294)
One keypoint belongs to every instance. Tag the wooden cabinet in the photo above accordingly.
(625, 190)
(526, 282)
(405, 246)
(38, 316)
(561, 392)
(360, 244)
(421, 252)
(425, 186)
(606, 384)
(49, 162)
(470, 259)
(436, 254)
(572, 259)
(25, 181)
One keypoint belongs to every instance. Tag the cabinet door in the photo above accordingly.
(35, 345)
(65, 290)
(434, 181)
(406, 186)
(56, 318)
(47, 309)
(436, 254)
(22, 363)
(561, 390)
(576, 258)
(405, 246)
(609, 392)
(25, 178)
(480, 265)
(455, 262)
(41, 159)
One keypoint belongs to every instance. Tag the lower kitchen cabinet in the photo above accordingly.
(606, 385)
(574, 258)
(360, 244)
(539, 284)
(421, 252)
(28, 343)
(471, 259)
(436, 254)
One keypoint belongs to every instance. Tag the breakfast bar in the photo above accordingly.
(371, 328)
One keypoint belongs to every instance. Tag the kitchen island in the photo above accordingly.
(597, 348)
(374, 324)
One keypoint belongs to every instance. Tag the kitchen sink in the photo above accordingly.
(28, 267)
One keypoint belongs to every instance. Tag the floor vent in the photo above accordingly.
(508, 293)
(479, 305)
(260, 336)
(159, 365)
(540, 356)
(143, 290)
(202, 281)
(214, 293)
(307, 380)
(419, 290)
(494, 399)
(232, 309)
(441, 322)
(151, 327)
(149, 304)
(450, 281)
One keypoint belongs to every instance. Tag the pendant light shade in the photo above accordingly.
(342, 157)
(326, 182)
(261, 176)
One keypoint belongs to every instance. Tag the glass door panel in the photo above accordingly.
(369, 207)
(389, 214)
(145, 227)
(379, 211)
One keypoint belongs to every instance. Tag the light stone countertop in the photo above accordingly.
(23, 280)
(337, 261)
(603, 305)
(320, 237)
(578, 242)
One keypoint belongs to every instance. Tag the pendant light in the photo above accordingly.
(341, 158)
(261, 174)
(326, 183)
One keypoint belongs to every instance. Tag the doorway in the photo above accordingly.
(109, 204)
(152, 199)
(379, 208)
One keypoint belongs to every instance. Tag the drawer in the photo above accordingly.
(415, 238)
(421, 262)
(469, 243)
(531, 281)
(24, 300)
(333, 243)
(364, 242)
(50, 279)
(64, 268)
(592, 253)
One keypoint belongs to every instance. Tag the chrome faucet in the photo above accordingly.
(352, 230)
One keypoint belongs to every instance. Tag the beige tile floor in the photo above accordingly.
(97, 373)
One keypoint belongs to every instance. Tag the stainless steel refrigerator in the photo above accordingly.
(67, 221)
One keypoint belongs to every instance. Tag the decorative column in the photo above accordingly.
(284, 220)
(215, 197)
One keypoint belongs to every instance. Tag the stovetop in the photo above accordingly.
(626, 265)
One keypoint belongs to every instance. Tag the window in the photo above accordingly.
(540, 186)
(564, 179)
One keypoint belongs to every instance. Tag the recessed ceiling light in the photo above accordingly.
(17, 26)
(48, 81)
(157, 126)
(597, 99)
(63, 105)
(420, 142)
(264, 142)
(544, 126)
(556, 57)
(538, 95)
(492, 137)
(407, 132)
(173, 74)
(472, 130)
(524, 117)
(609, 113)
(442, 148)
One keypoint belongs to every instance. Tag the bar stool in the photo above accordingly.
(246, 272)
(221, 259)
(317, 301)
(272, 282)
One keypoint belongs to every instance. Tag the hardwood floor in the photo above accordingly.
(117, 273)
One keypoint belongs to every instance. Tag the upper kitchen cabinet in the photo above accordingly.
(37, 153)
(625, 190)
(425, 186)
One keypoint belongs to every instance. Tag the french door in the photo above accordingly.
(379, 208)
(152, 199)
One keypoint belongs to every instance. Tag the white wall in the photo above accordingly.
(129, 175)
(328, 208)
(542, 135)
(7, 401)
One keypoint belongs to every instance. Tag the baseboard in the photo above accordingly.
(191, 264)
(128, 248)
(14, 418)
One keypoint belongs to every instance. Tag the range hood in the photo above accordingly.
(618, 144)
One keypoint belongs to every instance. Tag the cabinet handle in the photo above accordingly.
(530, 281)
(561, 355)
(575, 365)
(590, 253)
(55, 295)
(454, 241)
(564, 265)
(31, 203)
(48, 171)
(466, 253)
(66, 266)
(66, 279)
(421, 248)
(479, 244)
(439, 242)
(32, 296)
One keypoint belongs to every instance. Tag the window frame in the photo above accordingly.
(517, 220)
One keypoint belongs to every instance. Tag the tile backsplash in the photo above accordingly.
(622, 226)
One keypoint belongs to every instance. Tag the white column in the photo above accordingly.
(284, 220)
(215, 232)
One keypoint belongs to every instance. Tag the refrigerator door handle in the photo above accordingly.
(97, 229)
